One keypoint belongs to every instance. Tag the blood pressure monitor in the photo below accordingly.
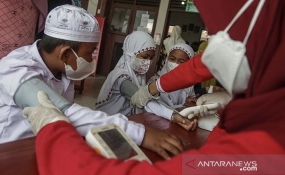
(112, 142)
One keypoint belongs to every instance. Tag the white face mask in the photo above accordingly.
(84, 69)
(141, 66)
(170, 65)
(226, 59)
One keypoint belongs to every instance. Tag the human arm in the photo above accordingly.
(183, 76)
(44, 114)
(128, 88)
(223, 98)
(153, 139)
(83, 118)
(156, 140)
(189, 102)
(61, 150)
(160, 110)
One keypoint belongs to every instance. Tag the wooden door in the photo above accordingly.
(123, 20)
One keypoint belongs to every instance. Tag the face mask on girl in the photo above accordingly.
(170, 65)
(141, 66)
(84, 68)
(226, 59)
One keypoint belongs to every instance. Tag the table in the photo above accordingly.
(19, 157)
(195, 138)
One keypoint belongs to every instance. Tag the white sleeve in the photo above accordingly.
(83, 118)
(158, 109)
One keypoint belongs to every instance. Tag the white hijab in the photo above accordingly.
(134, 44)
(175, 38)
(176, 98)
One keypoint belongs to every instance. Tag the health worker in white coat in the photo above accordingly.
(50, 65)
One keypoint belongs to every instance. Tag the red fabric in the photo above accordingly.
(185, 75)
(61, 150)
(252, 123)
(262, 106)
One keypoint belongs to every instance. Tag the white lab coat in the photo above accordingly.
(26, 62)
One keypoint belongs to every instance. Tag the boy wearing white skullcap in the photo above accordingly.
(64, 54)
(71, 27)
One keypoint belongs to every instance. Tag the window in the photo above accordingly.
(120, 20)
(144, 21)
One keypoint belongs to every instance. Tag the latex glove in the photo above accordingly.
(40, 116)
(218, 97)
(142, 96)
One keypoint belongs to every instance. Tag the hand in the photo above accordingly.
(141, 97)
(40, 116)
(161, 141)
(189, 102)
(202, 112)
(218, 89)
(218, 97)
(184, 122)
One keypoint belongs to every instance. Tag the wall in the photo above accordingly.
(161, 18)
(84, 4)
(184, 18)
(160, 22)
(92, 6)
(176, 18)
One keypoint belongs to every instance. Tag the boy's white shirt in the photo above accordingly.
(26, 62)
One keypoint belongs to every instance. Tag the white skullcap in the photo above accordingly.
(72, 23)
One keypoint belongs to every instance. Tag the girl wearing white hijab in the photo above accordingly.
(139, 50)
(178, 54)
(175, 38)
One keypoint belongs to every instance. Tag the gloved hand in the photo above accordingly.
(40, 116)
(218, 97)
(142, 96)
